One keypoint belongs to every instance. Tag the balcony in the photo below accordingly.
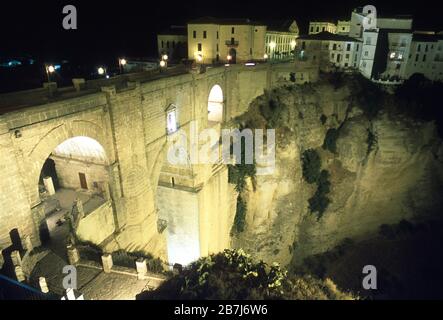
(231, 43)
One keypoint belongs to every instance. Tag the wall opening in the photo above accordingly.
(215, 105)
(76, 171)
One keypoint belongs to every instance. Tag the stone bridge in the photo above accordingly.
(125, 126)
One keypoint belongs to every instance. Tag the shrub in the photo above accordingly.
(323, 119)
(330, 142)
(240, 216)
(319, 201)
(233, 275)
(311, 164)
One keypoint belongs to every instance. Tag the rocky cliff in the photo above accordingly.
(383, 167)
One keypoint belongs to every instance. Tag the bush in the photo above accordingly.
(330, 142)
(127, 259)
(311, 165)
(323, 119)
(319, 201)
(233, 275)
(240, 216)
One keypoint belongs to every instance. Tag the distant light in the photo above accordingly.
(107, 76)
(272, 45)
(227, 65)
(101, 71)
(57, 67)
(199, 57)
(229, 57)
(162, 63)
(51, 69)
(123, 61)
(249, 64)
(265, 56)
(165, 57)
(293, 43)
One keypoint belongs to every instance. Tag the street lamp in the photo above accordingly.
(162, 63)
(49, 69)
(199, 58)
(229, 57)
(265, 56)
(121, 63)
(101, 71)
(165, 57)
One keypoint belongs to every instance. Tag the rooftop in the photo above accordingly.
(225, 21)
(174, 30)
(327, 36)
(279, 25)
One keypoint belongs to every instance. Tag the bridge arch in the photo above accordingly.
(55, 137)
(215, 105)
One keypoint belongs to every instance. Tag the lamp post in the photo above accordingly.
(49, 69)
(101, 71)
(121, 64)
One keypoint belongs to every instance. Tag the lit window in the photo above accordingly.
(171, 119)
(392, 55)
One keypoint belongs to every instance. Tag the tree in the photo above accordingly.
(311, 165)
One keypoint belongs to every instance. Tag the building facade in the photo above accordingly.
(173, 42)
(330, 51)
(322, 26)
(343, 27)
(281, 38)
(212, 40)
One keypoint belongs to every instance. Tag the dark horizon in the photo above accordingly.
(106, 30)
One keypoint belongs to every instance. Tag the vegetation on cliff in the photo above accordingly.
(234, 275)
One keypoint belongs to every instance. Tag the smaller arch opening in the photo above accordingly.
(215, 105)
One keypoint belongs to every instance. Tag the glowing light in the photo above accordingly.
(227, 65)
(123, 61)
(272, 45)
(249, 64)
(199, 57)
(51, 69)
(162, 63)
(165, 57)
(265, 56)
(215, 104)
(171, 121)
(101, 71)
(107, 76)
(229, 57)
(293, 43)
(392, 55)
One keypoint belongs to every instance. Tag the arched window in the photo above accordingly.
(171, 119)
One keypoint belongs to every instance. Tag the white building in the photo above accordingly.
(281, 38)
(330, 51)
(173, 42)
(343, 27)
(322, 26)
(426, 56)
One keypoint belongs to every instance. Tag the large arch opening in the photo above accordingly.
(215, 105)
(73, 183)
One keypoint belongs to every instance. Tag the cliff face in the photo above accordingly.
(384, 170)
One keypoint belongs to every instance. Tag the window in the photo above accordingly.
(232, 40)
(347, 56)
(250, 50)
(171, 119)
(346, 65)
(419, 48)
(343, 28)
(318, 29)
(424, 58)
(312, 29)
(199, 47)
(163, 44)
(366, 53)
(204, 34)
(323, 29)
(368, 40)
(358, 46)
(194, 34)
(167, 44)
(348, 47)
(416, 57)
(426, 48)
(217, 34)
(233, 30)
(334, 46)
(217, 47)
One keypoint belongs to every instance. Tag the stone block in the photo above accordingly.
(19, 273)
(142, 269)
(49, 185)
(73, 254)
(43, 285)
(107, 263)
(79, 83)
(16, 258)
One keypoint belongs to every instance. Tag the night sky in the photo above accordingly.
(128, 28)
